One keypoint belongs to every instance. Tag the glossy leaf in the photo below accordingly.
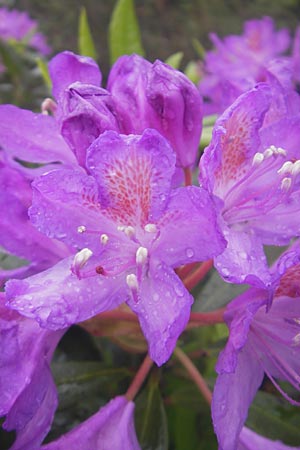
(124, 32)
(174, 60)
(86, 44)
(151, 419)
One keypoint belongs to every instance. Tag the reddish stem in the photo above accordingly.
(192, 279)
(118, 315)
(188, 178)
(208, 318)
(139, 378)
(194, 374)
(183, 271)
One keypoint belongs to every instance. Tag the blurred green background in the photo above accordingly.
(167, 26)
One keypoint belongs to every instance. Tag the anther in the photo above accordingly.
(82, 257)
(257, 159)
(48, 105)
(81, 229)
(129, 231)
(296, 168)
(104, 239)
(286, 184)
(132, 281)
(151, 228)
(141, 255)
(286, 168)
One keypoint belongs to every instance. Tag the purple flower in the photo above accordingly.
(28, 396)
(249, 440)
(238, 63)
(21, 141)
(131, 230)
(253, 170)
(162, 97)
(256, 347)
(18, 25)
(112, 427)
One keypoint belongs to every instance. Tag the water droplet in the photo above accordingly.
(189, 252)
(155, 297)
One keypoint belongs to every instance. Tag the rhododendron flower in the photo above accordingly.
(18, 25)
(238, 63)
(261, 341)
(254, 171)
(28, 396)
(20, 141)
(131, 230)
(161, 97)
(112, 427)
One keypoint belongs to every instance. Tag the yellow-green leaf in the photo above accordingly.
(124, 33)
(85, 41)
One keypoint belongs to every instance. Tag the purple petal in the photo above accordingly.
(134, 175)
(189, 228)
(252, 441)
(32, 137)
(65, 200)
(88, 111)
(112, 427)
(244, 260)
(177, 110)
(18, 236)
(56, 298)
(32, 414)
(27, 391)
(235, 141)
(127, 82)
(163, 309)
(233, 394)
(67, 68)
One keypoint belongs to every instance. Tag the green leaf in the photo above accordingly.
(86, 44)
(42, 65)
(200, 50)
(274, 418)
(192, 72)
(175, 60)
(124, 33)
(151, 420)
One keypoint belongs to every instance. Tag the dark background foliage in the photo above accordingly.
(167, 26)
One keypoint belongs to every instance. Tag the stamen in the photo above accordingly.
(82, 257)
(286, 184)
(141, 255)
(296, 339)
(257, 159)
(81, 229)
(133, 285)
(132, 281)
(272, 150)
(151, 228)
(286, 168)
(48, 105)
(129, 231)
(296, 168)
(104, 239)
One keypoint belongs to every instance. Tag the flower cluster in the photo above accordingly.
(17, 25)
(99, 203)
(238, 62)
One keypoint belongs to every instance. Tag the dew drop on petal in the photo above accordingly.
(189, 252)
(155, 297)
